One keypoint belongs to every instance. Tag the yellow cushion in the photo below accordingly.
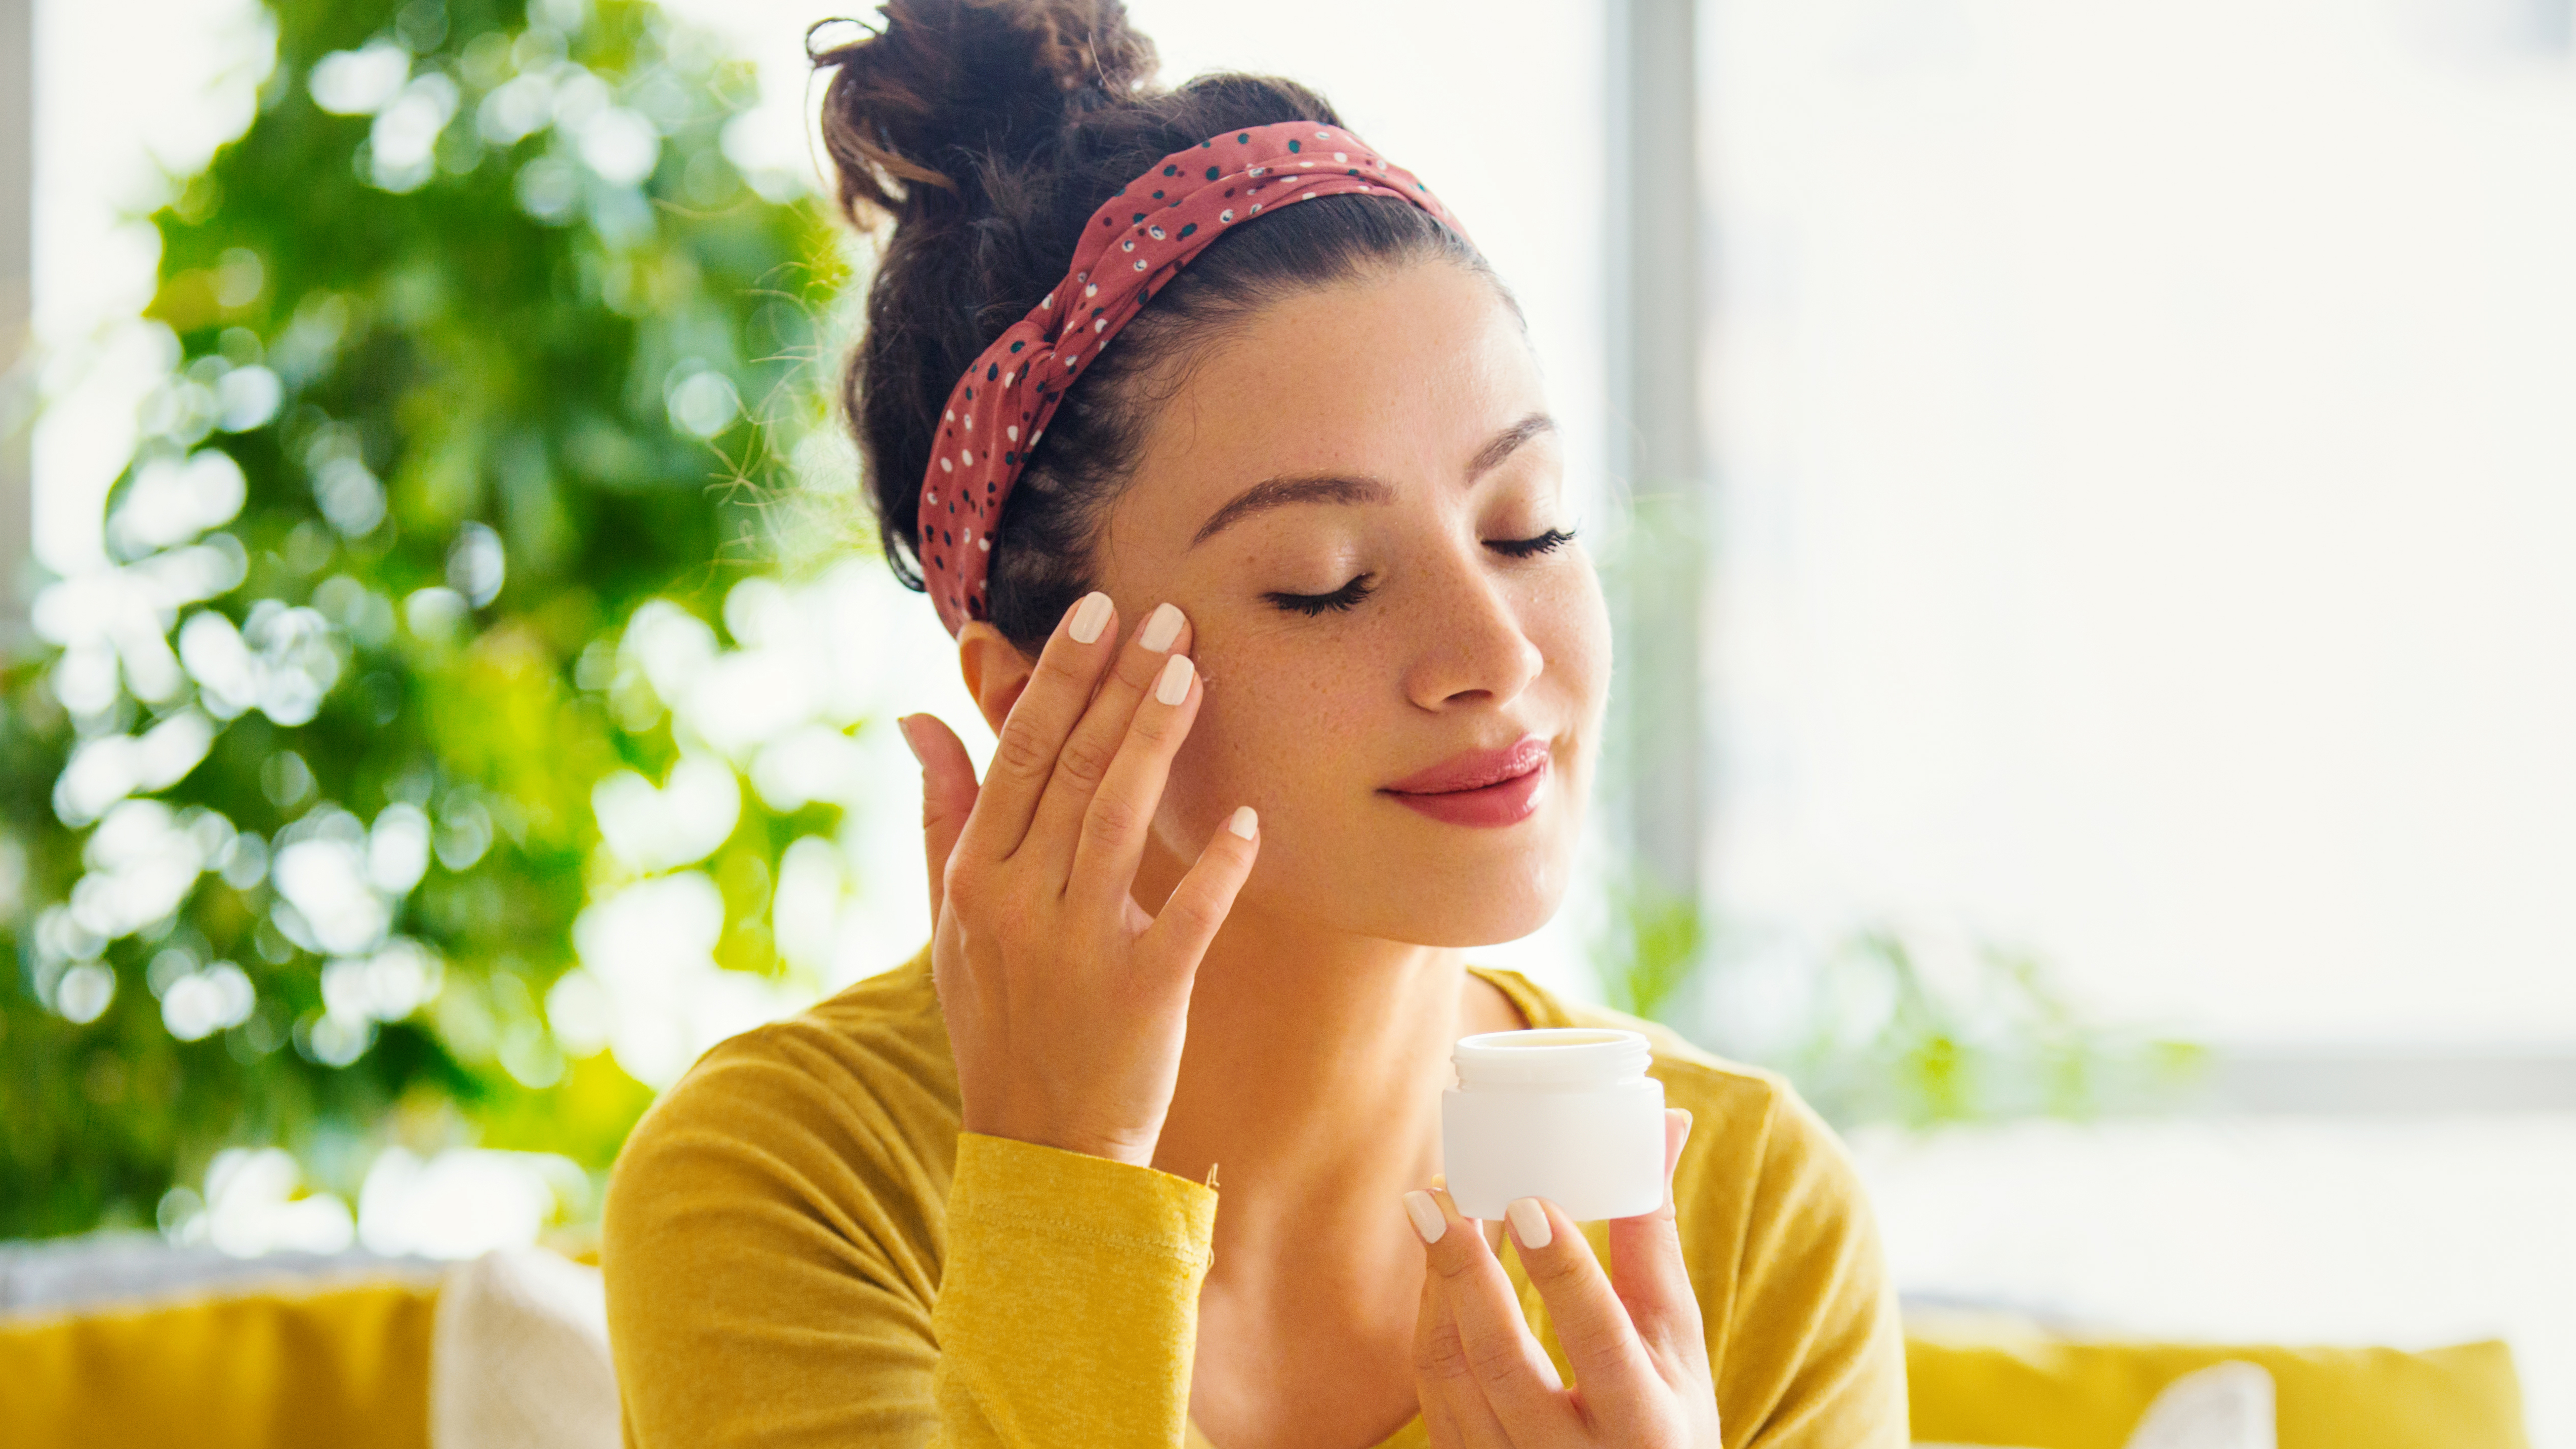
(344, 1367)
(2057, 1394)
(348, 1368)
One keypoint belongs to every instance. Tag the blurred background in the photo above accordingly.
(2093, 483)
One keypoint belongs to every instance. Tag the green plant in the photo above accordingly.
(1655, 944)
(1871, 1031)
(1991, 1037)
(482, 345)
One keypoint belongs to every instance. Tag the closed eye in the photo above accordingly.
(1348, 596)
(1338, 600)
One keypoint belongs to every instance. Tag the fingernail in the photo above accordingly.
(1174, 686)
(1162, 629)
(1439, 1182)
(1243, 822)
(1090, 617)
(903, 727)
(1529, 1222)
(1427, 1221)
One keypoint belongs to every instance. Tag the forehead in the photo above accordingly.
(1401, 376)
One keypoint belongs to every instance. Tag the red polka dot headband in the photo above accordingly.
(1131, 246)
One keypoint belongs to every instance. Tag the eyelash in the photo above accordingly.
(1339, 600)
(1346, 597)
(1548, 542)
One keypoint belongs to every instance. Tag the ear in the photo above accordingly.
(995, 669)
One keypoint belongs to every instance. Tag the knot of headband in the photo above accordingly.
(1130, 248)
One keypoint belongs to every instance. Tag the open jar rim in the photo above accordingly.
(1576, 1057)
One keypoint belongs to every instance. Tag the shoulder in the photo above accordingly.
(1768, 1200)
(1783, 1251)
(846, 1112)
(874, 1056)
(775, 1222)
(1747, 1122)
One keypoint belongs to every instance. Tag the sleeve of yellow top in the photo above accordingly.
(1815, 1358)
(1068, 1305)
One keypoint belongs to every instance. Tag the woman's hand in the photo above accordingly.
(1639, 1353)
(1066, 1002)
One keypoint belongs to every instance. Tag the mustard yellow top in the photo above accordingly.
(803, 1248)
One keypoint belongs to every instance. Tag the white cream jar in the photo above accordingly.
(1563, 1113)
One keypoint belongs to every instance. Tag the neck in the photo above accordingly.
(1312, 1079)
(1313, 1051)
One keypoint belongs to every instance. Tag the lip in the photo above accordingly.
(1479, 787)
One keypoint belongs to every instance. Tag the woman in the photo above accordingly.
(1229, 468)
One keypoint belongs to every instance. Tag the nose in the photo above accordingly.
(1471, 648)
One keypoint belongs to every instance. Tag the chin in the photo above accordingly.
(1452, 887)
(1368, 866)
(1458, 886)
(1496, 902)
(1480, 928)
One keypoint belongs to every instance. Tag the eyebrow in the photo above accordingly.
(1334, 488)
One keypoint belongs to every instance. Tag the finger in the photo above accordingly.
(1519, 1382)
(1619, 1385)
(1034, 732)
(1455, 1413)
(1491, 1228)
(947, 793)
(1109, 777)
(1198, 905)
(1650, 1273)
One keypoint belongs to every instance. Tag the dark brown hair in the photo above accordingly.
(989, 131)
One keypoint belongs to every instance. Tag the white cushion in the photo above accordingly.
(518, 1356)
(2224, 1406)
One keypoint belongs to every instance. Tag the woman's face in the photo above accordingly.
(1352, 498)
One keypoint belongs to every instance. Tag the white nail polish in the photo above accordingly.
(1090, 617)
(1427, 1221)
(1162, 629)
(1529, 1223)
(1174, 686)
(1243, 822)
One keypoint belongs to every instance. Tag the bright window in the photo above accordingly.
(2147, 497)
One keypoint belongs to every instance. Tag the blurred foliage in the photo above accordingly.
(481, 342)
(1881, 1025)
(1992, 1037)
(1652, 950)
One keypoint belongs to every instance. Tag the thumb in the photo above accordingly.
(947, 794)
(1650, 1273)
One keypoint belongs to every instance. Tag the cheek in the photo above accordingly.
(1293, 732)
(1571, 627)
(1280, 731)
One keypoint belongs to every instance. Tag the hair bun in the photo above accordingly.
(913, 109)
